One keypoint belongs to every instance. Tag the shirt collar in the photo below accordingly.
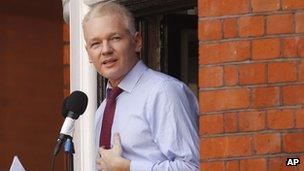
(129, 81)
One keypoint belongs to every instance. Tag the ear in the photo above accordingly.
(89, 56)
(138, 42)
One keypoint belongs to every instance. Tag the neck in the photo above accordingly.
(114, 83)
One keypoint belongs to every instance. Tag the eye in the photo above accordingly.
(115, 38)
(94, 44)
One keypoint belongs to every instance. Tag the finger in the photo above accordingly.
(101, 150)
(98, 167)
(103, 166)
(103, 153)
(98, 164)
(98, 161)
(117, 142)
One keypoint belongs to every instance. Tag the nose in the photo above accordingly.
(106, 48)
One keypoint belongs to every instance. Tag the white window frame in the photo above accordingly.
(83, 77)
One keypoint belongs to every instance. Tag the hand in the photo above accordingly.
(111, 160)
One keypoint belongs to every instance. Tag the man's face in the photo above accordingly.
(111, 47)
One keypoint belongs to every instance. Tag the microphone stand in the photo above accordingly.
(69, 151)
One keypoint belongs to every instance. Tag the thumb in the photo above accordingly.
(117, 143)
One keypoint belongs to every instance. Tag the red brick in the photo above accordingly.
(231, 122)
(279, 163)
(252, 73)
(220, 147)
(223, 100)
(265, 97)
(292, 4)
(280, 119)
(265, 48)
(293, 47)
(211, 124)
(253, 165)
(210, 76)
(280, 23)
(222, 7)
(230, 28)
(301, 47)
(293, 94)
(301, 71)
(66, 33)
(251, 121)
(251, 26)
(301, 167)
(299, 17)
(299, 118)
(262, 5)
(66, 54)
(267, 143)
(239, 146)
(282, 72)
(230, 75)
(213, 147)
(211, 166)
(224, 52)
(210, 30)
(232, 165)
(290, 47)
(293, 142)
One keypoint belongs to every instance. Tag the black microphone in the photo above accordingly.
(72, 107)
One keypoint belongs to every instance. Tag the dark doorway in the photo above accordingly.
(181, 60)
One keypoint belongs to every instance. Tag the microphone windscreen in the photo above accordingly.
(77, 103)
(64, 109)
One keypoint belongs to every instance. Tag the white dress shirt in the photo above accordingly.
(156, 117)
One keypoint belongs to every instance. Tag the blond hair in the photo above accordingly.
(111, 8)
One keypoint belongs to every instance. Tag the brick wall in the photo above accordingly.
(31, 82)
(251, 72)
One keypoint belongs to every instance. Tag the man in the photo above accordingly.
(154, 115)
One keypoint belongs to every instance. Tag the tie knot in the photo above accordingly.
(113, 93)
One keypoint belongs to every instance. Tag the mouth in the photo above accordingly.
(109, 62)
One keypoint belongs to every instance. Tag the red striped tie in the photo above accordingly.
(108, 115)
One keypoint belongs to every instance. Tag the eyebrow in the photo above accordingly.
(93, 40)
(126, 31)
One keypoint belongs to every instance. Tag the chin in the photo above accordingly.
(113, 74)
(107, 73)
(109, 76)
